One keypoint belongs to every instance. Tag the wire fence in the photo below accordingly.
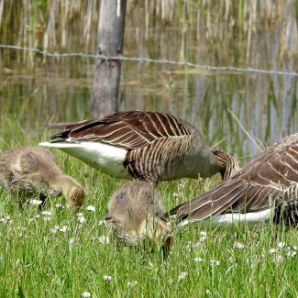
(222, 69)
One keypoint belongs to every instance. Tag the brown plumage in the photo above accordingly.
(267, 181)
(286, 212)
(148, 146)
(28, 171)
(133, 214)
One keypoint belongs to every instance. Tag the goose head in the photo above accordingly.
(226, 163)
(158, 231)
(71, 190)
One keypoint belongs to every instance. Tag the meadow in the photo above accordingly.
(54, 253)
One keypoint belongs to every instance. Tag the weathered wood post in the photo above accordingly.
(110, 44)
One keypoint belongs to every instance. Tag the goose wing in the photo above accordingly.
(270, 175)
(130, 130)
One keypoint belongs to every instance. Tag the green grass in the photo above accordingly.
(36, 262)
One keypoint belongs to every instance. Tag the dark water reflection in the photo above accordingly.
(266, 105)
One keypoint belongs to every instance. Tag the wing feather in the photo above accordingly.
(131, 129)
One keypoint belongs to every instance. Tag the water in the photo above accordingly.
(34, 91)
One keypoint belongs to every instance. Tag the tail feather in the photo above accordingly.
(60, 137)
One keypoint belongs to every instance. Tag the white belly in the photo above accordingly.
(98, 155)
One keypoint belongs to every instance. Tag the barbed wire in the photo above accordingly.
(225, 69)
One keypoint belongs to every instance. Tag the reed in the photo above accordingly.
(60, 25)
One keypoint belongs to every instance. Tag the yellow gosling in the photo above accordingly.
(28, 171)
(133, 214)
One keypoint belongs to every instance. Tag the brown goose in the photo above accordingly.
(32, 170)
(148, 146)
(133, 214)
(269, 181)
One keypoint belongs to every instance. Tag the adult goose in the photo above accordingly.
(269, 182)
(148, 146)
(29, 171)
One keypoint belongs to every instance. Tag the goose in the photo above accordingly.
(27, 171)
(148, 146)
(133, 214)
(266, 187)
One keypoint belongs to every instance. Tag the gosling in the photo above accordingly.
(133, 215)
(28, 171)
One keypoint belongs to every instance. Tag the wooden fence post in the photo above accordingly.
(110, 43)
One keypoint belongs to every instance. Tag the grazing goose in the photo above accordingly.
(269, 182)
(32, 170)
(133, 214)
(148, 146)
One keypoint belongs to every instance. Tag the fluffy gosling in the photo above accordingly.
(133, 215)
(28, 171)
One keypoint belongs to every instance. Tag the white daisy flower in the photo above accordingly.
(281, 244)
(132, 283)
(35, 202)
(104, 239)
(232, 259)
(182, 275)
(291, 253)
(238, 245)
(203, 234)
(81, 218)
(55, 229)
(198, 260)
(63, 229)
(214, 262)
(107, 277)
(46, 213)
(272, 251)
(90, 208)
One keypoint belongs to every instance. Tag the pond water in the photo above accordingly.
(231, 108)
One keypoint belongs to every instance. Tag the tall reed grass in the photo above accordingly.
(72, 25)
